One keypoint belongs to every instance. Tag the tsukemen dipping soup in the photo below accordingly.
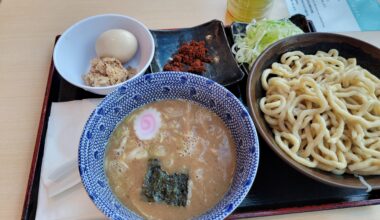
(170, 159)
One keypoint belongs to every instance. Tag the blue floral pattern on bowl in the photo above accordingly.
(152, 87)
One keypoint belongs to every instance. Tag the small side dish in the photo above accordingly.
(170, 159)
(114, 48)
(222, 69)
(76, 47)
(258, 36)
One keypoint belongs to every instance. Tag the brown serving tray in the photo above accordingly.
(278, 188)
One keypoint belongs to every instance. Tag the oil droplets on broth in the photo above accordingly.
(174, 141)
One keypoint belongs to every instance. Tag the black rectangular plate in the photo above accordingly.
(225, 72)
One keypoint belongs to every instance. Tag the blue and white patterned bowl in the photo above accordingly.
(158, 86)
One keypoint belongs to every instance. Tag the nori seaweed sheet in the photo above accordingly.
(159, 186)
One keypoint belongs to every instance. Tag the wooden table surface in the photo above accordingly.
(27, 32)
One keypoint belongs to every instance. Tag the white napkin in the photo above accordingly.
(61, 194)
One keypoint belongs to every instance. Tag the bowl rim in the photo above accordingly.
(245, 185)
(260, 127)
(80, 22)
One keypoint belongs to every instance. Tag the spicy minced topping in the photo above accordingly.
(190, 57)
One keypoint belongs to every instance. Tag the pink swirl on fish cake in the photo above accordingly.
(147, 124)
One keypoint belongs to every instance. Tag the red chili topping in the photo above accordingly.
(190, 57)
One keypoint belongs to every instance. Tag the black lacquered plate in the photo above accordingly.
(223, 67)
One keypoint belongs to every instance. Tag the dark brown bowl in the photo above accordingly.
(368, 56)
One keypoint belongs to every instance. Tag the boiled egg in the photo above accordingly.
(117, 43)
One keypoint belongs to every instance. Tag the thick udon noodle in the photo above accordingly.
(324, 111)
